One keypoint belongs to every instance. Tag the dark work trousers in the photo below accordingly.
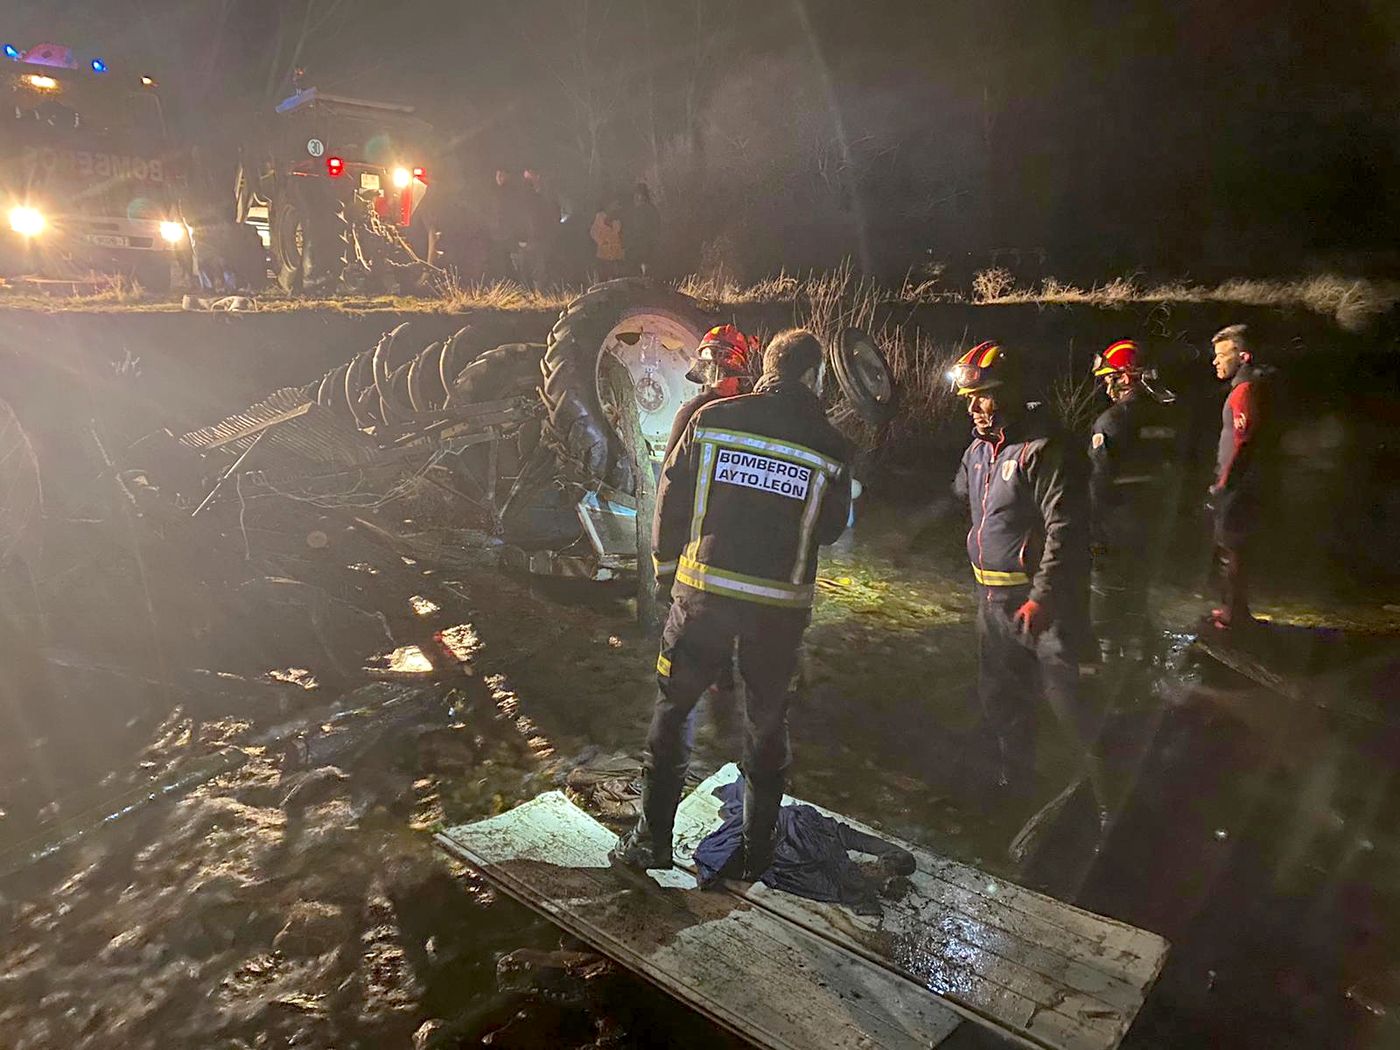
(1120, 587)
(1014, 670)
(1236, 520)
(697, 642)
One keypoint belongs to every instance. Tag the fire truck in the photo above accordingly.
(334, 189)
(89, 183)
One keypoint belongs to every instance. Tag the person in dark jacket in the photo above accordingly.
(723, 368)
(755, 484)
(1246, 432)
(1135, 447)
(642, 231)
(1028, 544)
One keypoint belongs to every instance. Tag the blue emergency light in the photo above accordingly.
(99, 66)
(11, 51)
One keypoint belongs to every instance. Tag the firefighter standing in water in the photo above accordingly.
(1134, 449)
(1235, 495)
(755, 484)
(1025, 487)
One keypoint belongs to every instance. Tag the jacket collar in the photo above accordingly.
(771, 384)
(1032, 422)
(1251, 372)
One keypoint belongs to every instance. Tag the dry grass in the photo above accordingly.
(838, 300)
(1075, 400)
(827, 296)
(456, 296)
(718, 287)
(1351, 301)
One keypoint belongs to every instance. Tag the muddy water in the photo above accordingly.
(295, 899)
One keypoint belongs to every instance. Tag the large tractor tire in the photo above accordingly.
(536, 512)
(308, 236)
(512, 370)
(600, 320)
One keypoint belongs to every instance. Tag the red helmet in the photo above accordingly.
(726, 350)
(984, 367)
(1124, 356)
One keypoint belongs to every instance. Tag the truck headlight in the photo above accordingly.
(402, 177)
(172, 232)
(27, 222)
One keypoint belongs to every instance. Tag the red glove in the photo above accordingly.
(1031, 618)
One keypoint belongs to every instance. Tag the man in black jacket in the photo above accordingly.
(755, 484)
(1135, 447)
(1247, 437)
(1028, 546)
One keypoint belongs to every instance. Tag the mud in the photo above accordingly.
(226, 741)
(295, 899)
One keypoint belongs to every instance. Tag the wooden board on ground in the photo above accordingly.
(1242, 661)
(758, 974)
(1027, 965)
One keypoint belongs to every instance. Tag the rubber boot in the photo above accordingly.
(648, 845)
(761, 803)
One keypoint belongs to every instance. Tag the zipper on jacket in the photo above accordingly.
(986, 490)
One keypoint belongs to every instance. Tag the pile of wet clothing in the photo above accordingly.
(811, 856)
(609, 786)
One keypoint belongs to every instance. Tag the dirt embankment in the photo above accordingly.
(198, 366)
(192, 368)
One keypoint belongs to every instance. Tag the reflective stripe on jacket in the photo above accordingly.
(1026, 489)
(755, 484)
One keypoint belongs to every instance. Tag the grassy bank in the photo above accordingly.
(1350, 302)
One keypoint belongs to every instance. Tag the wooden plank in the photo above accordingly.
(1034, 967)
(762, 977)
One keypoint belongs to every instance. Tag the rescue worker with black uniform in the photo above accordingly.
(1246, 432)
(1025, 486)
(755, 484)
(723, 368)
(1135, 447)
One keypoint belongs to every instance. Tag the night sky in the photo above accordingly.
(1194, 139)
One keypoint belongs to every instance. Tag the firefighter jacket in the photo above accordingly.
(1245, 431)
(1135, 448)
(1026, 489)
(755, 484)
(695, 404)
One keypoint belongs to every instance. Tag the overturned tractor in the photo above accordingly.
(551, 449)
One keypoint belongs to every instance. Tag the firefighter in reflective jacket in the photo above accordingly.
(723, 368)
(1028, 546)
(1134, 449)
(755, 484)
(1246, 433)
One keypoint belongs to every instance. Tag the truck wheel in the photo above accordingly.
(655, 330)
(288, 231)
